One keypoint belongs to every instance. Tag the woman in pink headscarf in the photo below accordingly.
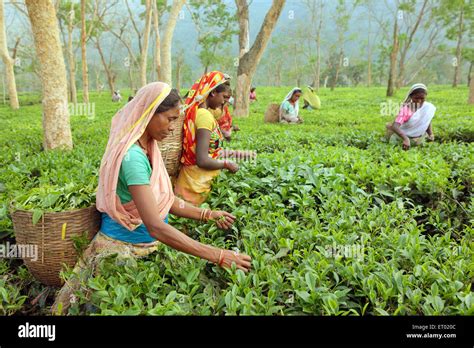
(135, 193)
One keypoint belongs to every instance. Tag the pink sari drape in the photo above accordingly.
(128, 124)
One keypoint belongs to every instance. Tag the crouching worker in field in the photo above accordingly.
(116, 97)
(289, 108)
(202, 139)
(135, 194)
(414, 119)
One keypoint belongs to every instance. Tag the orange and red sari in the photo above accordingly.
(194, 183)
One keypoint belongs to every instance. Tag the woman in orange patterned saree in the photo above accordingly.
(202, 139)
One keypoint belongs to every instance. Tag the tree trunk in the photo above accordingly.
(157, 51)
(146, 39)
(406, 46)
(108, 72)
(130, 77)
(457, 68)
(56, 127)
(243, 82)
(401, 72)
(471, 89)
(85, 78)
(393, 60)
(338, 68)
(70, 52)
(249, 60)
(243, 17)
(369, 58)
(317, 75)
(179, 63)
(242, 91)
(469, 75)
(168, 36)
(8, 61)
(97, 79)
(318, 48)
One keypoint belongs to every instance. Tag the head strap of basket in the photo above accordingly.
(196, 96)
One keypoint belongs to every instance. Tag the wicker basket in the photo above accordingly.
(272, 115)
(171, 148)
(48, 233)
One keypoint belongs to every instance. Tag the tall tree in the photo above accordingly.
(157, 48)
(56, 127)
(68, 12)
(121, 34)
(98, 11)
(146, 39)
(85, 77)
(342, 17)
(457, 67)
(470, 99)
(406, 39)
(250, 57)
(8, 61)
(315, 8)
(380, 44)
(468, 55)
(215, 26)
(72, 61)
(111, 76)
(393, 58)
(179, 61)
(456, 16)
(167, 38)
(369, 54)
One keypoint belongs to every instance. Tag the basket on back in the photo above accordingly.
(171, 148)
(52, 238)
(272, 115)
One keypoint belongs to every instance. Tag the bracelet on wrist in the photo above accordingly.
(203, 214)
(221, 258)
(209, 215)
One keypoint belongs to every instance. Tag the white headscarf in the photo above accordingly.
(414, 87)
(288, 97)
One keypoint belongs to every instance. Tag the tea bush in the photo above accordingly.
(336, 222)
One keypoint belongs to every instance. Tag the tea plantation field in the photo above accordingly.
(336, 221)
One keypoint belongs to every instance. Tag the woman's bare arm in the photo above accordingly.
(429, 131)
(203, 137)
(143, 196)
(395, 127)
(183, 209)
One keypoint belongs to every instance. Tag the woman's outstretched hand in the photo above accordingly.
(231, 167)
(224, 220)
(406, 144)
(229, 257)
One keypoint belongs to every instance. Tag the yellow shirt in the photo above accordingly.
(218, 113)
(205, 119)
